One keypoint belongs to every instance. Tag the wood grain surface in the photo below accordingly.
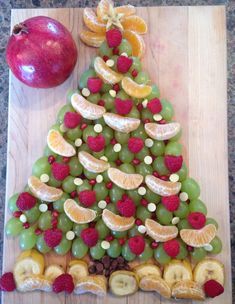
(186, 57)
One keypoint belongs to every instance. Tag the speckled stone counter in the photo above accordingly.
(5, 11)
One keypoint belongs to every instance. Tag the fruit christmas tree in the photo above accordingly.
(112, 188)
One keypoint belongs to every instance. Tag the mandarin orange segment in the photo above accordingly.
(188, 290)
(92, 164)
(59, 145)
(91, 38)
(159, 232)
(135, 24)
(120, 123)
(162, 132)
(78, 214)
(199, 237)
(126, 10)
(116, 222)
(91, 21)
(105, 72)
(136, 41)
(161, 187)
(155, 283)
(95, 284)
(134, 89)
(126, 181)
(103, 8)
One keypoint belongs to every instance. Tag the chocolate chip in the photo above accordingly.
(106, 261)
(99, 267)
(92, 269)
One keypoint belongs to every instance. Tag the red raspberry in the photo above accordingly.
(94, 84)
(126, 207)
(213, 288)
(96, 143)
(114, 37)
(63, 282)
(197, 220)
(136, 244)
(7, 282)
(60, 171)
(172, 248)
(173, 163)
(26, 201)
(72, 120)
(171, 202)
(123, 64)
(135, 144)
(87, 197)
(90, 236)
(123, 107)
(53, 237)
(134, 73)
(154, 105)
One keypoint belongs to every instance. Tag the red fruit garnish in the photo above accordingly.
(118, 162)
(154, 105)
(51, 159)
(83, 126)
(136, 161)
(172, 248)
(92, 182)
(144, 202)
(173, 163)
(55, 213)
(26, 201)
(136, 244)
(60, 171)
(53, 237)
(123, 64)
(116, 87)
(72, 120)
(115, 51)
(213, 288)
(63, 282)
(123, 107)
(26, 225)
(114, 37)
(164, 177)
(105, 58)
(121, 241)
(197, 220)
(155, 173)
(189, 248)
(17, 214)
(134, 73)
(7, 282)
(113, 141)
(94, 84)
(126, 207)
(154, 244)
(87, 197)
(162, 122)
(109, 238)
(96, 143)
(66, 159)
(101, 102)
(73, 194)
(38, 231)
(171, 202)
(139, 107)
(135, 144)
(108, 200)
(109, 185)
(138, 222)
(147, 120)
(90, 236)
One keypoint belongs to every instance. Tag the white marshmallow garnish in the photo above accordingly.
(110, 63)
(175, 220)
(102, 204)
(78, 142)
(174, 177)
(148, 142)
(98, 128)
(78, 181)
(157, 117)
(141, 191)
(44, 178)
(99, 178)
(63, 128)
(23, 218)
(208, 247)
(86, 92)
(70, 235)
(144, 103)
(104, 158)
(117, 147)
(124, 54)
(151, 207)
(105, 245)
(113, 93)
(148, 160)
(183, 196)
(142, 229)
(43, 207)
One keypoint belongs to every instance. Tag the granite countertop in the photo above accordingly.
(5, 11)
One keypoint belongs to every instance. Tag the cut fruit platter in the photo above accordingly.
(109, 208)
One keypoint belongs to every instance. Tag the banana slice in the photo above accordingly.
(53, 271)
(209, 269)
(198, 237)
(121, 123)
(161, 187)
(147, 270)
(155, 283)
(59, 145)
(124, 180)
(35, 282)
(77, 269)
(116, 222)
(123, 283)
(177, 271)
(162, 132)
(160, 233)
(85, 108)
(96, 284)
(188, 290)
(92, 164)
(78, 214)
(43, 191)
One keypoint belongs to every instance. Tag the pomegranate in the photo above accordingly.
(41, 52)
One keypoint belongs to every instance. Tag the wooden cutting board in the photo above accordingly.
(186, 57)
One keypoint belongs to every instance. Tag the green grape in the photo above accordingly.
(155, 92)
(68, 184)
(27, 238)
(134, 195)
(102, 229)
(191, 187)
(127, 254)
(94, 98)
(89, 131)
(142, 213)
(79, 249)
(163, 215)
(12, 202)
(102, 122)
(198, 254)
(112, 208)
(108, 134)
(101, 191)
(105, 50)
(177, 136)
(115, 249)
(183, 172)
(217, 245)
(158, 148)
(114, 58)
(44, 221)
(134, 113)
(69, 94)
(54, 182)
(173, 148)
(110, 154)
(106, 87)
(122, 95)
(127, 168)
(13, 227)
(33, 214)
(133, 231)
(92, 63)
(64, 223)
(159, 166)
(41, 245)
(119, 234)
(161, 256)
(139, 132)
(77, 228)
(72, 143)
(73, 134)
(84, 77)
(122, 138)
(84, 147)
(41, 166)
(61, 113)
(125, 47)
(109, 101)
(167, 111)
(59, 204)
(197, 206)
(144, 169)
(63, 247)
(85, 186)
(56, 127)
(182, 211)
(75, 166)
(125, 155)
(184, 224)
(98, 154)
(136, 64)
(97, 252)
(210, 220)
(97, 210)
(141, 155)
(89, 175)
(147, 253)
(183, 251)
(142, 78)
(146, 114)
(47, 152)
(152, 197)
